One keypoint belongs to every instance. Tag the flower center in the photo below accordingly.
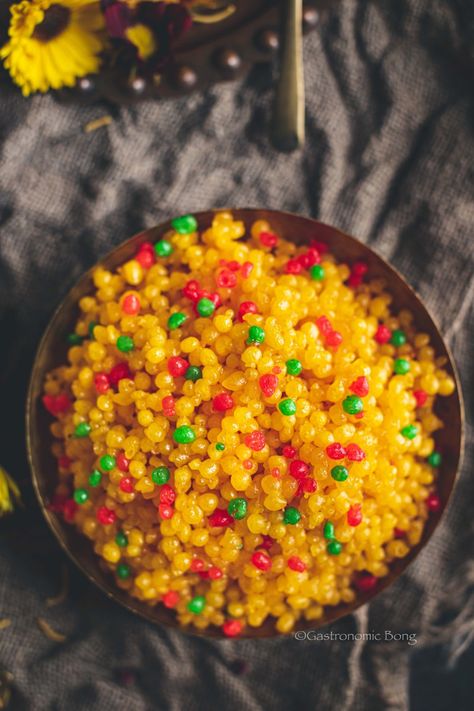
(56, 19)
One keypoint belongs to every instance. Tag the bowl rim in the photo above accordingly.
(331, 613)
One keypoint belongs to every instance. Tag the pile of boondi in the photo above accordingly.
(244, 429)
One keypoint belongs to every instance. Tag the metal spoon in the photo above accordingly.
(287, 131)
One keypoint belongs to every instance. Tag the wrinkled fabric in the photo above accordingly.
(388, 158)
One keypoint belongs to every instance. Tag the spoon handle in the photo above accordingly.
(288, 117)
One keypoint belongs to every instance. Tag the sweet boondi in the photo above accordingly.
(244, 428)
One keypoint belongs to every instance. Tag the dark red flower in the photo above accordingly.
(144, 35)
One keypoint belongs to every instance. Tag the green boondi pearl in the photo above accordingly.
(185, 224)
(435, 459)
(220, 446)
(352, 404)
(317, 272)
(95, 478)
(193, 373)
(123, 571)
(163, 248)
(401, 366)
(184, 435)
(328, 530)
(334, 547)
(74, 339)
(339, 473)
(398, 338)
(125, 344)
(237, 508)
(121, 539)
(197, 604)
(291, 515)
(107, 462)
(287, 407)
(256, 335)
(91, 327)
(205, 307)
(83, 429)
(81, 496)
(176, 320)
(410, 431)
(160, 475)
(293, 366)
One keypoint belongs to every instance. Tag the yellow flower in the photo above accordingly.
(7, 489)
(53, 43)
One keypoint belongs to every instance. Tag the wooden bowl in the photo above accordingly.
(52, 351)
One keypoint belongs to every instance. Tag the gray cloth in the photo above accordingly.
(388, 158)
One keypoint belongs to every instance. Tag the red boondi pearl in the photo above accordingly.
(246, 269)
(354, 515)
(101, 382)
(106, 516)
(226, 279)
(293, 267)
(299, 469)
(354, 281)
(267, 542)
(324, 325)
(191, 290)
(365, 582)
(126, 484)
(165, 511)
(167, 494)
(232, 628)
(255, 440)
(69, 509)
(169, 406)
(382, 334)
(246, 307)
(131, 304)
(118, 373)
(145, 255)
(56, 404)
(170, 599)
(320, 246)
(308, 486)
(222, 402)
(355, 453)
(56, 505)
(360, 386)
(312, 257)
(399, 532)
(122, 462)
(421, 397)
(261, 560)
(336, 451)
(204, 574)
(64, 462)
(197, 564)
(433, 502)
(295, 563)
(333, 339)
(219, 518)
(360, 268)
(215, 573)
(177, 366)
(247, 464)
(268, 239)
(233, 265)
(268, 384)
(288, 451)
